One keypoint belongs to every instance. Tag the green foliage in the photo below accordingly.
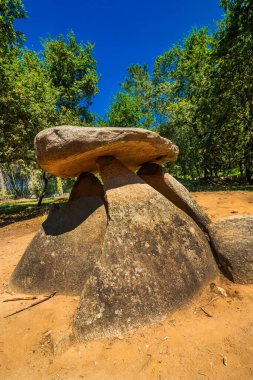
(72, 69)
(125, 111)
(232, 91)
(132, 108)
(36, 183)
(10, 11)
(38, 90)
(16, 177)
(200, 95)
(33, 96)
(27, 102)
(59, 186)
(183, 74)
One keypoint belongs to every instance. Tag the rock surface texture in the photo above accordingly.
(233, 240)
(63, 252)
(175, 192)
(154, 259)
(69, 151)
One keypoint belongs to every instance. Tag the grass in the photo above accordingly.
(212, 185)
(17, 210)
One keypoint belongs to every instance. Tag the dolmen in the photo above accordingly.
(135, 247)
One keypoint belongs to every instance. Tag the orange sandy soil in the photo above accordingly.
(187, 345)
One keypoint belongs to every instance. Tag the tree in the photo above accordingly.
(215, 98)
(182, 81)
(233, 82)
(59, 186)
(125, 111)
(131, 106)
(10, 11)
(72, 69)
(27, 101)
(200, 95)
(3, 189)
(169, 99)
(36, 92)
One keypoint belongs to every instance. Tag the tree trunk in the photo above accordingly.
(59, 186)
(21, 186)
(206, 174)
(197, 170)
(248, 173)
(45, 179)
(241, 168)
(248, 162)
(248, 152)
(2, 184)
(14, 184)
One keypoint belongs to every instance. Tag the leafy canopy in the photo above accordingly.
(200, 95)
(72, 69)
(38, 90)
(10, 11)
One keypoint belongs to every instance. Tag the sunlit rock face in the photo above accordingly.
(68, 151)
(233, 241)
(154, 259)
(174, 191)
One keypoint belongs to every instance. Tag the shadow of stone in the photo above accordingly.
(63, 252)
(65, 218)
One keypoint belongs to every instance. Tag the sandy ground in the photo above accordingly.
(189, 344)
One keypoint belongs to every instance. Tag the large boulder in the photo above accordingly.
(233, 240)
(63, 252)
(154, 258)
(168, 186)
(68, 151)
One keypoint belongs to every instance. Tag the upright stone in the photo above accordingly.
(63, 252)
(154, 259)
(175, 192)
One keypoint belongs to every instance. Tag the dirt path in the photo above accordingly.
(187, 345)
(224, 203)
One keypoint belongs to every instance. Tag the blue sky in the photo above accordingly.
(124, 32)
